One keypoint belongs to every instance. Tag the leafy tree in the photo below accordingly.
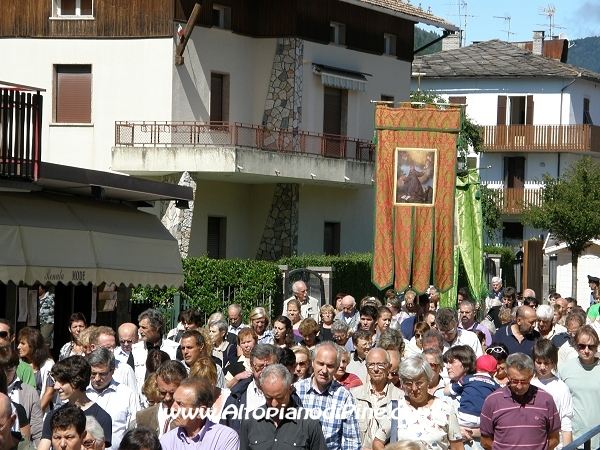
(569, 210)
(492, 221)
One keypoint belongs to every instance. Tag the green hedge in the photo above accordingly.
(506, 263)
(212, 284)
(352, 272)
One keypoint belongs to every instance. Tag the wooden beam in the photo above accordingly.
(189, 27)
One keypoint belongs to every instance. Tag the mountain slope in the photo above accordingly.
(586, 53)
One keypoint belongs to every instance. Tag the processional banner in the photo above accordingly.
(414, 196)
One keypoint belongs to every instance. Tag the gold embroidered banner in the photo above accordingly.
(414, 196)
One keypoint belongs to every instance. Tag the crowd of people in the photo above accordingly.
(396, 373)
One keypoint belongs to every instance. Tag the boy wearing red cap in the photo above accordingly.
(473, 389)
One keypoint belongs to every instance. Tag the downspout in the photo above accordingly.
(560, 116)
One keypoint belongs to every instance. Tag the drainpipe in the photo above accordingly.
(561, 96)
(560, 117)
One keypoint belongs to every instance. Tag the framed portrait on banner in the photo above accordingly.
(415, 176)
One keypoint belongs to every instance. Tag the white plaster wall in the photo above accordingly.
(482, 96)
(131, 80)
(390, 76)
(248, 63)
(352, 208)
(588, 264)
(580, 90)
(246, 208)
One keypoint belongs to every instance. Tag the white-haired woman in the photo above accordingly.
(94, 439)
(545, 325)
(421, 416)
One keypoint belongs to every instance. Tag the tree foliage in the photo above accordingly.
(424, 37)
(569, 209)
(492, 220)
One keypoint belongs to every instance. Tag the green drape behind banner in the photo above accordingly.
(469, 250)
(470, 232)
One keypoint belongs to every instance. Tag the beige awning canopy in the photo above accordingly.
(55, 239)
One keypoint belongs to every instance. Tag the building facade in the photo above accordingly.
(537, 115)
(266, 112)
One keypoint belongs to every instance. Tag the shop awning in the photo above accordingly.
(53, 238)
(341, 78)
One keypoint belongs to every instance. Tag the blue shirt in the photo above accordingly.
(473, 390)
(336, 411)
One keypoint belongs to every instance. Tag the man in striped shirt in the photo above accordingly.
(519, 415)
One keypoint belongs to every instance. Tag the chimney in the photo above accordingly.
(452, 42)
(538, 43)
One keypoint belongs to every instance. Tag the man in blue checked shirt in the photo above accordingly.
(331, 403)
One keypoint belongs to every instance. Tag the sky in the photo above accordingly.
(576, 18)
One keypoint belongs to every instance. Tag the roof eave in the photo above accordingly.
(434, 23)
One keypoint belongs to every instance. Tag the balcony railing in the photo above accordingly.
(204, 134)
(542, 138)
(512, 200)
(20, 133)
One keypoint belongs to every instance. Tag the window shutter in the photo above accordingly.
(74, 94)
(462, 100)
(332, 111)
(502, 110)
(529, 114)
(216, 97)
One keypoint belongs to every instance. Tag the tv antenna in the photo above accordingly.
(550, 12)
(507, 18)
(460, 4)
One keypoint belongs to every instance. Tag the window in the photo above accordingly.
(219, 97)
(387, 98)
(389, 44)
(519, 109)
(331, 238)
(216, 237)
(587, 118)
(73, 94)
(514, 172)
(337, 33)
(73, 8)
(221, 17)
(335, 118)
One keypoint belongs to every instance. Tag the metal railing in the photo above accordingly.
(541, 138)
(585, 439)
(207, 134)
(20, 133)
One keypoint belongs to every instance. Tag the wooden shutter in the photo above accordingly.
(519, 172)
(331, 238)
(529, 114)
(501, 120)
(332, 111)
(462, 100)
(216, 237)
(74, 94)
(216, 97)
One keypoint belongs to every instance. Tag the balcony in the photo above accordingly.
(512, 200)
(204, 134)
(236, 152)
(541, 138)
(20, 133)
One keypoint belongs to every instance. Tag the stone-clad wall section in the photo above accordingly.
(280, 235)
(283, 106)
(179, 221)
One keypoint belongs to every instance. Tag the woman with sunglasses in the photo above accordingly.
(500, 353)
(581, 376)
(415, 345)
